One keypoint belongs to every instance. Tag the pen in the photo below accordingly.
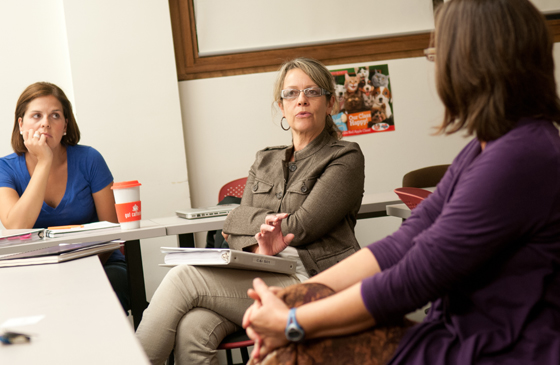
(65, 227)
(9, 338)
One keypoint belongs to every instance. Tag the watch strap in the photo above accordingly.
(293, 331)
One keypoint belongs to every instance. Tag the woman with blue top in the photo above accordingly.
(50, 180)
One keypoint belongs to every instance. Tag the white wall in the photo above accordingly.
(115, 60)
(226, 120)
(237, 109)
(34, 48)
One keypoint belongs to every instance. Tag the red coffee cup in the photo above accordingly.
(127, 203)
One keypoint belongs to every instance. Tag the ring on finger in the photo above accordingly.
(36, 135)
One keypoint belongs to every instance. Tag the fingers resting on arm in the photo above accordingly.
(270, 239)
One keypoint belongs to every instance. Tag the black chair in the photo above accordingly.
(426, 177)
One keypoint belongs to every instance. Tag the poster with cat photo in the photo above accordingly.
(365, 104)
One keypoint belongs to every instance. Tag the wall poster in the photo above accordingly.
(365, 104)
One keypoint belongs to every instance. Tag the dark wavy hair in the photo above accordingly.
(494, 65)
(33, 92)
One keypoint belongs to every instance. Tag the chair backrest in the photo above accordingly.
(426, 177)
(233, 188)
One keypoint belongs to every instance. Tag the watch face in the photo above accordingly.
(294, 334)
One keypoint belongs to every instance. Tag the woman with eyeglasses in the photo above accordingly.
(50, 180)
(312, 189)
(484, 248)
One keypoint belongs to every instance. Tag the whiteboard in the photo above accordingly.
(252, 25)
(226, 26)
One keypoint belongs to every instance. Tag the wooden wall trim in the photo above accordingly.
(554, 25)
(191, 66)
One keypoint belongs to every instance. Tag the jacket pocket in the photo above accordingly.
(261, 191)
(297, 192)
(302, 186)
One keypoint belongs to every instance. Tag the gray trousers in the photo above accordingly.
(194, 308)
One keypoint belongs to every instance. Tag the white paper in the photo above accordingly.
(21, 321)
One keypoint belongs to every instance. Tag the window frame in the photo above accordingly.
(190, 66)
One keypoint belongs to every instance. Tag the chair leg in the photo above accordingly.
(136, 284)
(229, 357)
(244, 354)
(171, 359)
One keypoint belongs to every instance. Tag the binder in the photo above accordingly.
(227, 258)
(58, 253)
(10, 235)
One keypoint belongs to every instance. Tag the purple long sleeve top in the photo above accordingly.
(484, 248)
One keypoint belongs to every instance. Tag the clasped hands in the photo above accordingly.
(266, 319)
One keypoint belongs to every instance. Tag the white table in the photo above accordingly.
(148, 229)
(398, 210)
(84, 322)
(185, 228)
(374, 205)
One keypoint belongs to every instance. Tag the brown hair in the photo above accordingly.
(319, 74)
(37, 90)
(494, 65)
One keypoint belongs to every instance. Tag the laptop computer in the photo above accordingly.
(214, 211)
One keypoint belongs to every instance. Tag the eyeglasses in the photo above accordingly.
(310, 92)
(430, 54)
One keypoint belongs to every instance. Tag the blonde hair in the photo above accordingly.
(494, 65)
(319, 74)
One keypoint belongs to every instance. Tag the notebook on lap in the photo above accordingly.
(214, 211)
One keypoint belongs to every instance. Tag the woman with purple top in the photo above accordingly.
(484, 248)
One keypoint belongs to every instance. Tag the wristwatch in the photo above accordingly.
(293, 331)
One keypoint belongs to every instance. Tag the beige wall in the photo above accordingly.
(115, 60)
(226, 120)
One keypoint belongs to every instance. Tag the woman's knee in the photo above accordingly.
(198, 335)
